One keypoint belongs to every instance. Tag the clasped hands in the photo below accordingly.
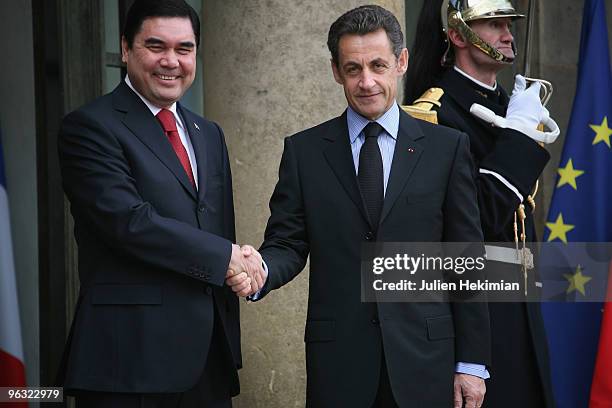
(245, 272)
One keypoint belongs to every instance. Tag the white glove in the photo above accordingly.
(525, 112)
(525, 108)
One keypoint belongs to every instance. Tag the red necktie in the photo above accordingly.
(168, 123)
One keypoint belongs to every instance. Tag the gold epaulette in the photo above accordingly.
(421, 108)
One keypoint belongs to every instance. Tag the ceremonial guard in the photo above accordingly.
(460, 46)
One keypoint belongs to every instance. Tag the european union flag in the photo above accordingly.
(580, 212)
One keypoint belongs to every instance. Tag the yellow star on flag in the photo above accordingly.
(559, 229)
(568, 175)
(603, 132)
(576, 281)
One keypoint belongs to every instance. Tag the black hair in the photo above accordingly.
(430, 44)
(143, 9)
(364, 20)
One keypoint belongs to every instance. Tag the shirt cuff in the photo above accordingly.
(477, 370)
(255, 296)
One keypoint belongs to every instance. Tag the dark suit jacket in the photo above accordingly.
(316, 208)
(153, 251)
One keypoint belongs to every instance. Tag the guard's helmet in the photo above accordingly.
(457, 13)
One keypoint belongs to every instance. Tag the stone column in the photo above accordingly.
(267, 75)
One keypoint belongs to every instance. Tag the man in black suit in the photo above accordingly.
(375, 174)
(150, 189)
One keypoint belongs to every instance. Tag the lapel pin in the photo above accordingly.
(196, 125)
(410, 150)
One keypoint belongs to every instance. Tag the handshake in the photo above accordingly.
(245, 272)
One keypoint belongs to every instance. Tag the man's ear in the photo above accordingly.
(457, 39)
(124, 50)
(402, 61)
(336, 71)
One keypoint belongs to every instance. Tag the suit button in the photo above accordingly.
(375, 321)
(208, 290)
(369, 236)
(201, 208)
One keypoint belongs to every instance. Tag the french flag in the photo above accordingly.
(12, 369)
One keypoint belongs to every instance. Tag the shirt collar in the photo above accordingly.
(155, 109)
(482, 84)
(389, 121)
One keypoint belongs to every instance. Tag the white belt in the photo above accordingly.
(511, 256)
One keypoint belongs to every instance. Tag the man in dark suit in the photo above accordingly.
(150, 189)
(375, 174)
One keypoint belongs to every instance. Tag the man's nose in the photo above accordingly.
(367, 79)
(507, 34)
(169, 59)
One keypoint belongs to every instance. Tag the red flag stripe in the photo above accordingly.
(12, 374)
(601, 389)
(13, 371)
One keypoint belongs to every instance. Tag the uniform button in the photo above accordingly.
(369, 236)
(201, 208)
(208, 290)
(375, 321)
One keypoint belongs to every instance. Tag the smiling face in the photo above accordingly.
(368, 71)
(161, 63)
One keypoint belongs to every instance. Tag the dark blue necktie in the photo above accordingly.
(370, 174)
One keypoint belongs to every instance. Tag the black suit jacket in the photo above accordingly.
(317, 209)
(153, 251)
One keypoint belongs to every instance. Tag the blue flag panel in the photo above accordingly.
(580, 212)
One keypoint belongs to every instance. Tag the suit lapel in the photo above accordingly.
(201, 149)
(405, 158)
(337, 151)
(144, 126)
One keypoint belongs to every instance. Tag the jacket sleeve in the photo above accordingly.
(285, 248)
(104, 197)
(462, 225)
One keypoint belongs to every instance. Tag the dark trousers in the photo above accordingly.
(211, 391)
(515, 378)
(384, 395)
